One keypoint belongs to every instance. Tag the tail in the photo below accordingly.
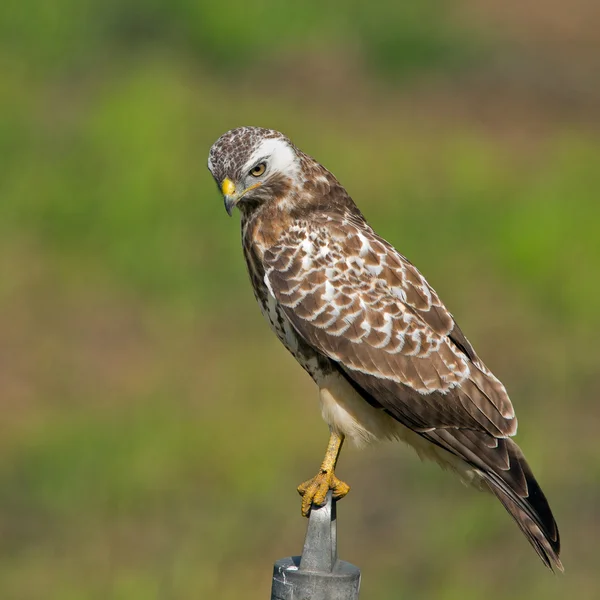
(524, 500)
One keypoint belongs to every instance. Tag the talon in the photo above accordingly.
(340, 488)
(314, 491)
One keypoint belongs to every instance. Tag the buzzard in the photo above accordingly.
(388, 358)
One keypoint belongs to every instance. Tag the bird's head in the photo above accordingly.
(252, 165)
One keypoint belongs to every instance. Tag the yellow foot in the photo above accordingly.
(315, 490)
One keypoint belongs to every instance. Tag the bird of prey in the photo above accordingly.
(388, 358)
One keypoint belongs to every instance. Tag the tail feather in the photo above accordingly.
(529, 507)
(501, 464)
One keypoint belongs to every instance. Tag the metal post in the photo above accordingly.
(318, 574)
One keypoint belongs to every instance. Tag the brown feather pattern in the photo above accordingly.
(386, 326)
(340, 297)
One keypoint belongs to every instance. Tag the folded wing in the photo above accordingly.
(356, 300)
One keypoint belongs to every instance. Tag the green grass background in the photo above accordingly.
(153, 429)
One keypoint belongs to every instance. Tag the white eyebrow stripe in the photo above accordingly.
(278, 154)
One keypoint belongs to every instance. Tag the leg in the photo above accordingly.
(314, 490)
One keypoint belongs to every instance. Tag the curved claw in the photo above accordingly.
(314, 491)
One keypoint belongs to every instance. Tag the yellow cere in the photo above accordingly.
(228, 187)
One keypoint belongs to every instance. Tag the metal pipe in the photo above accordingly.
(318, 574)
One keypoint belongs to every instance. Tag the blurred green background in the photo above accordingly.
(153, 429)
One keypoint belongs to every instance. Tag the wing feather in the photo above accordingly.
(362, 304)
(356, 300)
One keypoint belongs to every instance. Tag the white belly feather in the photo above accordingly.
(346, 412)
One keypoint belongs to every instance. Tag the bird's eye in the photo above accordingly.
(258, 170)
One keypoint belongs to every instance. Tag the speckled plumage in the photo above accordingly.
(388, 357)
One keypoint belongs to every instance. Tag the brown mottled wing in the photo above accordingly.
(356, 300)
(359, 302)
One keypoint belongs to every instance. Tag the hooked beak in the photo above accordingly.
(230, 197)
(230, 202)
